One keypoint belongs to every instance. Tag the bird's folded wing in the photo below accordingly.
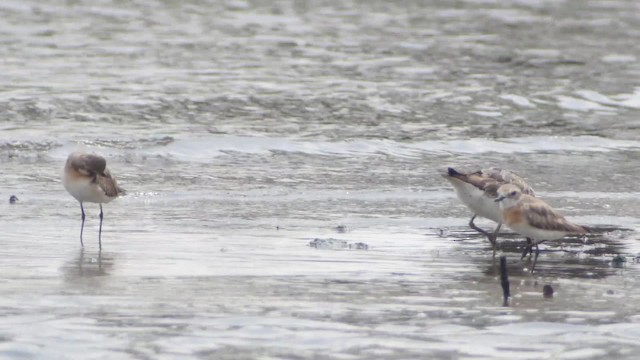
(108, 184)
(542, 216)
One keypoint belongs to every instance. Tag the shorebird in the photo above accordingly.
(533, 217)
(478, 190)
(87, 179)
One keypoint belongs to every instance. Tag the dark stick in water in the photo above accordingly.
(504, 278)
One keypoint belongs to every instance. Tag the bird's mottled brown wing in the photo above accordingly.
(489, 180)
(543, 216)
(109, 184)
(508, 177)
(487, 184)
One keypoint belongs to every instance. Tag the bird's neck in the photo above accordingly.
(507, 203)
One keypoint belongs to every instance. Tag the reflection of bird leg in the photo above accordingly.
(81, 260)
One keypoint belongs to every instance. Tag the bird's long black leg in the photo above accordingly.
(100, 229)
(82, 226)
(474, 227)
(535, 259)
(528, 248)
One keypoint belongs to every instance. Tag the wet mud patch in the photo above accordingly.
(595, 255)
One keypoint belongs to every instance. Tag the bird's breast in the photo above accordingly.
(83, 189)
(512, 215)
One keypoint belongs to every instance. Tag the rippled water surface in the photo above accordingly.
(247, 131)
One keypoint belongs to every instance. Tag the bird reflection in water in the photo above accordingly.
(88, 265)
(578, 256)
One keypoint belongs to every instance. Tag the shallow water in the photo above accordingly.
(244, 131)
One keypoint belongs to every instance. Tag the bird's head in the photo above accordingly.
(508, 191)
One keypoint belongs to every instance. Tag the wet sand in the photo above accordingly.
(244, 131)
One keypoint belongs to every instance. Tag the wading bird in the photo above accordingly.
(87, 179)
(478, 190)
(533, 218)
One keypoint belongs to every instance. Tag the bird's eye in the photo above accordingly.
(513, 193)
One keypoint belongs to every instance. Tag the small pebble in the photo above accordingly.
(547, 292)
(443, 232)
(618, 261)
(13, 199)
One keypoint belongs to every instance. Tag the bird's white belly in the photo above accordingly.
(84, 190)
(536, 233)
(477, 201)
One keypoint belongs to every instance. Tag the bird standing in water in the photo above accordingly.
(478, 190)
(533, 217)
(87, 179)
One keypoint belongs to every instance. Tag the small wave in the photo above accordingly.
(26, 148)
(202, 149)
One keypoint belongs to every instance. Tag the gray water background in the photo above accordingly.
(244, 130)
